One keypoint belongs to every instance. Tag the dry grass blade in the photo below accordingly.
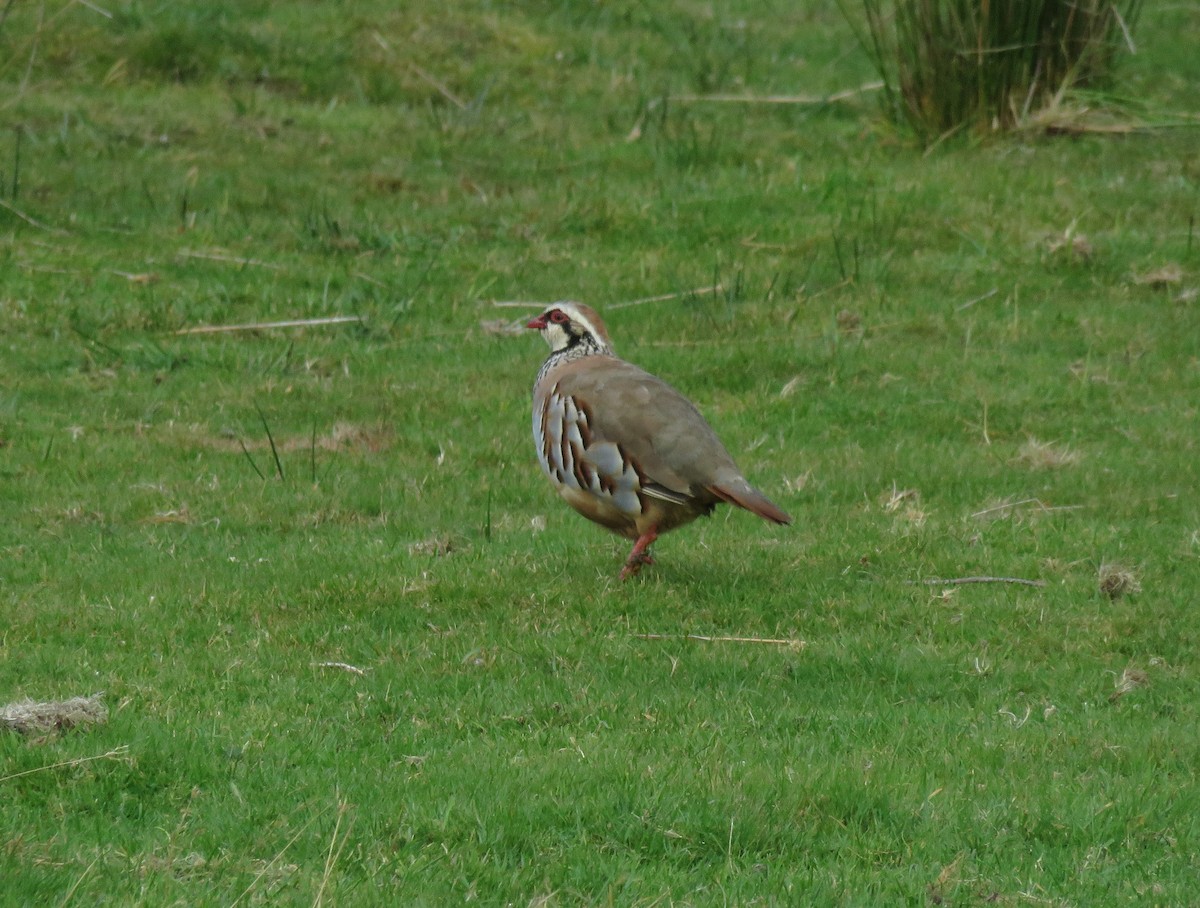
(229, 259)
(1004, 508)
(843, 95)
(978, 299)
(439, 86)
(113, 754)
(33, 222)
(699, 291)
(75, 885)
(961, 581)
(663, 297)
(95, 9)
(701, 638)
(263, 326)
(278, 856)
(344, 666)
(335, 852)
(144, 277)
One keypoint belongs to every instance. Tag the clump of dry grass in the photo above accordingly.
(1046, 455)
(29, 717)
(1117, 581)
(849, 323)
(904, 505)
(435, 547)
(1071, 242)
(1131, 679)
(1159, 278)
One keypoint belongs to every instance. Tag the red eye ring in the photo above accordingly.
(559, 317)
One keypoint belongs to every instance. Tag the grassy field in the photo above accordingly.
(354, 649)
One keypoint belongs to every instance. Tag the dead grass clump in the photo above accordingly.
(28, 717)
(849, 323)
(1159, 278)
(1131, 679)
(174, 515)
(904, 505)
(1077, 114)
(434, 547)
(1069, 242)
(1116, 581)
(1046, 455)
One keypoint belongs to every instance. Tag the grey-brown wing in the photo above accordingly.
(654, 426)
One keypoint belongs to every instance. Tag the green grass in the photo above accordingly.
(892, 322)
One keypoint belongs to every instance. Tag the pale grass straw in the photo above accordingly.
(439, 86)
(95, 9)
(331, 858)
(770, 641)
(662, 297)
(75, 885)
(1042, 506)
(344, 666)
(979, 299)
(1124, 29)
(33, 222)
(228, 259)
(279, 854)
(699, 291)
(113, 754)
(262, 326)
(369, 279)
(843, 95)
(959, 581)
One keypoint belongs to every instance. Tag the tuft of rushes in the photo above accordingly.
(949, 65)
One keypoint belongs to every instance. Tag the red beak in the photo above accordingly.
(536, 323)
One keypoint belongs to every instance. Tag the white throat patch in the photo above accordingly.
(556, 336)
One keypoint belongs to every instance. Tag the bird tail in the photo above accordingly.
(744, 495)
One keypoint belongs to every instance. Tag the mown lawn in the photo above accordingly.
(355, 651)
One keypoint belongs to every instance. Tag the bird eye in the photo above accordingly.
(559, 317)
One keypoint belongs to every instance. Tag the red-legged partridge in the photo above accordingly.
(622, 447)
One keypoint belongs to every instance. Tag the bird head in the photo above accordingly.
(572, 325)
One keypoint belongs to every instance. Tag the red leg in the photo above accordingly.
(639, 555)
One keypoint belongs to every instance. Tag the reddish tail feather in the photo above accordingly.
(746, 496)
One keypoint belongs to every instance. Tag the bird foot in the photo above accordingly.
(635, 563)
(640, 554)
